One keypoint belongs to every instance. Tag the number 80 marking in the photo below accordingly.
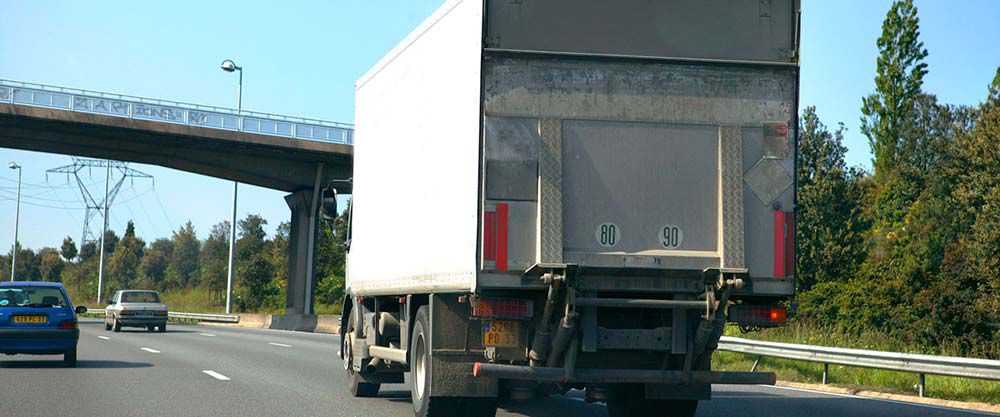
(608, 234)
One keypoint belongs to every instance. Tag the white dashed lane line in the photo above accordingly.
(104, 337)
(151, 350)
(279, 344)
(207, 334)
(216, 375)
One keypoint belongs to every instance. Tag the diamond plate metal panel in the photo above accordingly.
(731, 156)
(550, 192)
(768, 179)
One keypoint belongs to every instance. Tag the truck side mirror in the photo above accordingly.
(328, 204)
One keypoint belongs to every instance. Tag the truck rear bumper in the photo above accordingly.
(606, 376)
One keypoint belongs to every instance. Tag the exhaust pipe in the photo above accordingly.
(612, 376)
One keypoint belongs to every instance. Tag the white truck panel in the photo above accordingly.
(416, 160)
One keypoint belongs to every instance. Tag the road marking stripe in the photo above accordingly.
(216, 375)
(150, 350)
(279, 344)
(207, 334)
(104, 337)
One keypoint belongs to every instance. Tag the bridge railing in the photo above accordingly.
(142, 108)
(893, 361)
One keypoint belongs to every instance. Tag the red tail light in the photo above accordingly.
(495, 221)
(126, 313)
(757, 315)
(160, 313)
(67, 325)
(784, 243)
(494, 307)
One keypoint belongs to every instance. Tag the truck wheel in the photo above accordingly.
(630, 401)
(359, 388)
(420, 377)
(162, 328)
(117, 326)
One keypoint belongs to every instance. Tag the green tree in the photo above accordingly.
(50, 265)
(68, 249)
(123, 265)
(330, 261)
(182, 270)
(215, 259)
(900, 73)
(153, 269)
(257, 289)
(110, 242)
(829, 222)
(27, 265)
(88, 250)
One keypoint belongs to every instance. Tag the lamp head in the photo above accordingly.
(13, 165)
(229, 66)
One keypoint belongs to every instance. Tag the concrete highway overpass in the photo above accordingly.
(283, 153)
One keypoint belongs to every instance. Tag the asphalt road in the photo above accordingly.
(196, 370)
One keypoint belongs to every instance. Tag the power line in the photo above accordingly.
(91, 205)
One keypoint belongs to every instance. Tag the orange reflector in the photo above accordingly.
(758, 315)
(778, 314)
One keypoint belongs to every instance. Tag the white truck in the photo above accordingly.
(572, 194)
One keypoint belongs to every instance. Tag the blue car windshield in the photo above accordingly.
(30, 296)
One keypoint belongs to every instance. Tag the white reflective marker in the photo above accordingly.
(104, 337)
(216, 375)
(279, 344)
(150, 350)
(207, 334)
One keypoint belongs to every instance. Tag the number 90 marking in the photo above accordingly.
(671, 237)
(608, 234)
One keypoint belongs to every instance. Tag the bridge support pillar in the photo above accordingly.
(301, 255)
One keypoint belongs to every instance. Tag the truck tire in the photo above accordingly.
(420, 379)
(359, 388)
(630, 401)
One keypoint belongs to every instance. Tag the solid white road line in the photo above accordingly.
(151, 350)
(104, 337)
(216, 375)
(279, 344)
(207, 334)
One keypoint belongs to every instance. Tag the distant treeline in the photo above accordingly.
(912, 248)
(185, 261)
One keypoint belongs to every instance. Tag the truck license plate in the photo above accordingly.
(501, 333)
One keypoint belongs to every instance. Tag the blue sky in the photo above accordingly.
(303, 59)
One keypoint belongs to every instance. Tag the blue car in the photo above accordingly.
(38, 318)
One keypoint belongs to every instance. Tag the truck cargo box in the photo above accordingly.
(613, 136)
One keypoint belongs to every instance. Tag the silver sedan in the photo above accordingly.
(136, 308)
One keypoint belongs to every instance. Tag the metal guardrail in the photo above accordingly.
(893, 361)
(217, 318)
(132, 107)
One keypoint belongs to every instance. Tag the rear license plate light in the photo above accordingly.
(502, 308)
(758, 315)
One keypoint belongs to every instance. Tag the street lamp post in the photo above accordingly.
(230, 66)
(17, 220)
